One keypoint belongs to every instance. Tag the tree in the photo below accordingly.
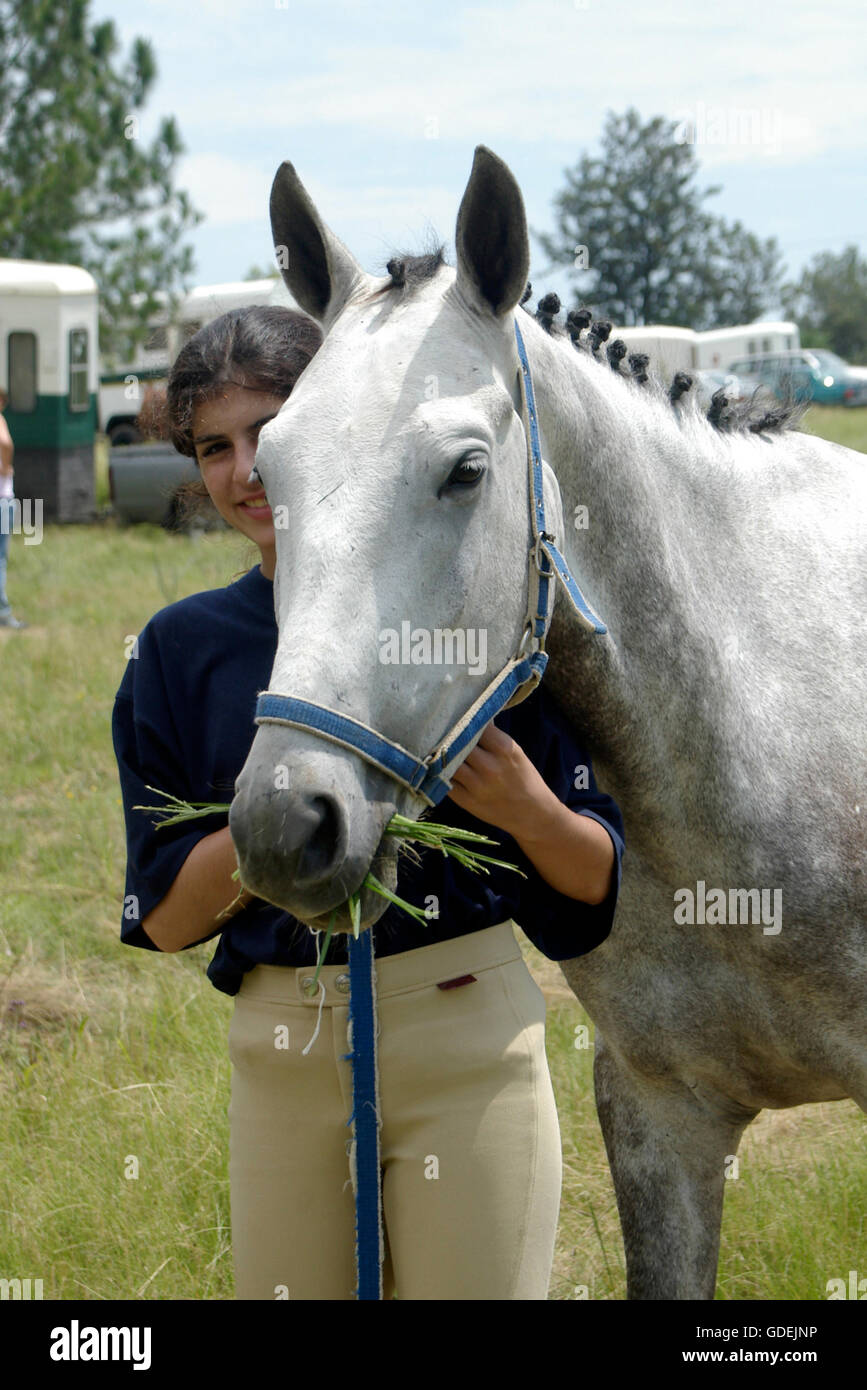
(257, 273)
(642, 246)
(829, 302)
(79, 183)
(741, 275)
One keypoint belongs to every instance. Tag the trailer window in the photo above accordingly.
(22, 372)
(78, 394)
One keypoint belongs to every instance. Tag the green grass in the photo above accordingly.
(109, 1054)
(101, 447)
(793, 1218)
(839, 424)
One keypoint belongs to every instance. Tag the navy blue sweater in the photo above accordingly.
(183, 723)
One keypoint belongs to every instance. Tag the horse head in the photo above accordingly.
(397, 477)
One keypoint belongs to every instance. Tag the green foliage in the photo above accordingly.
(654, 254)
(79, 183)
(257, 273)
(829, 302)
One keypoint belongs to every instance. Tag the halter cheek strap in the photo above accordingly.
(521, 674)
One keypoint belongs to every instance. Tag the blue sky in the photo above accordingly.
(379, 107)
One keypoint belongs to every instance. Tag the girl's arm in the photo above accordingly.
(498, 783)
(203, 887)
(7, 448)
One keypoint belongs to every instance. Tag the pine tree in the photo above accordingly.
(653, 254)
(830, 303)
(79, 184)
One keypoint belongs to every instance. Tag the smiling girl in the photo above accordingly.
(471, 1162)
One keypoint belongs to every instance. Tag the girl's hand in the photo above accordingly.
(498, 784)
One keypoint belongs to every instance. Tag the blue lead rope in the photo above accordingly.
(365, 1116)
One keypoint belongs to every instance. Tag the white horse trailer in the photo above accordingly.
(125, 387)
(49, 345)
(683, 350)
(719, 348)
(670, 349)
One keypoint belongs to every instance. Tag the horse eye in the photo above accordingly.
(466, 473)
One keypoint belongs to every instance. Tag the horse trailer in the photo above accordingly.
(49, 333)
(683, 350)
(125, 387)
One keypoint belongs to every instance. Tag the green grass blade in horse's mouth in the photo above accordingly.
(451, 840)
(179, 810)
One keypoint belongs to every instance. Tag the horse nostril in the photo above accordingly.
(323, 846)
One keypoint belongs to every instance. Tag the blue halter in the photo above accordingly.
(520, 675)
(426, 777)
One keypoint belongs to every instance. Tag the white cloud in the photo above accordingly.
(226, 190)
(530, 71)
(349, 91)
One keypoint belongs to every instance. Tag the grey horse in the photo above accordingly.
(723, 708)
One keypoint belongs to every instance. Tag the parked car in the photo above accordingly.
(808, 375)
(143, 481)
(709, 381)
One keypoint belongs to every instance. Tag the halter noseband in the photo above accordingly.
(518, 678)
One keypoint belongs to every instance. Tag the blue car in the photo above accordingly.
(811, 374)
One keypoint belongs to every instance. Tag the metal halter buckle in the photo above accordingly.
(536, 551)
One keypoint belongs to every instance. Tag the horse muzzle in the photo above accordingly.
(307, 823)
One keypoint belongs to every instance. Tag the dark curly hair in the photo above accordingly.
(261, 347)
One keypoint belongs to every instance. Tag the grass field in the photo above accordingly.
(114, 1081)
(843, 426)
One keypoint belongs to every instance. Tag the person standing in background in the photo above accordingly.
(7, 512)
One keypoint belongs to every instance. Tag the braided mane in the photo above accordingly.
(754, 416)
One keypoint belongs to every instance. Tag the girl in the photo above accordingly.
(470, 1138)
(7, 512)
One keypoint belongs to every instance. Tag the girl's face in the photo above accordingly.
(225, 433)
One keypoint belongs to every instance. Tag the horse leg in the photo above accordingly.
(667, 1149)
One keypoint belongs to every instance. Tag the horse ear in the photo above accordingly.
(491, 236)
(318, 269)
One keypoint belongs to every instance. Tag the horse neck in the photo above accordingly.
(617, 455)
(625, 460)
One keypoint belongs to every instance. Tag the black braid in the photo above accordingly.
(615, 353)
(679, 386)
(547, 310)
(638, 363)
(599, 331)
(577, 320)
(718, 404)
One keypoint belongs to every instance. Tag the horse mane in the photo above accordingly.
(407, 271)
(753, 416)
